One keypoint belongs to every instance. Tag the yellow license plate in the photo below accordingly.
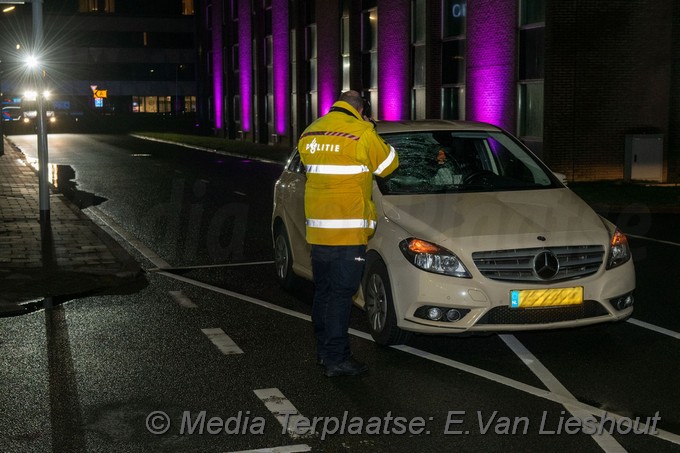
(538, 298)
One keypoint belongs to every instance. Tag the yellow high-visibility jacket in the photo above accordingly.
(341, 153)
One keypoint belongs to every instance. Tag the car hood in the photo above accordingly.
(497, 220)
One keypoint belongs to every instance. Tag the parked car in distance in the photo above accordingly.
(11, 113)
(475, 234)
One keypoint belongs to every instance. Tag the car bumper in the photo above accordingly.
(484, 304)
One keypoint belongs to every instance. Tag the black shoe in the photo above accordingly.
(349, 367)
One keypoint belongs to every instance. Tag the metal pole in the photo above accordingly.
(43, 161)
(2, 117)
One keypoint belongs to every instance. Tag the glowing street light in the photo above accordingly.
(32, 62)
(43, 180)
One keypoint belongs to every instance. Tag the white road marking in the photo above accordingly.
(605, 440)
(210, 266)
(281, 408)
(284, 449)
(222, 341)
(653, 240)
(133, 241)
(242, 297)
(538, 392)
(240, 193)
(658, 329)
(182, 299)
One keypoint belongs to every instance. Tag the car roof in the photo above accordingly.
(388, 127)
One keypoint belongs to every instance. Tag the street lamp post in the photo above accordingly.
(43, 162)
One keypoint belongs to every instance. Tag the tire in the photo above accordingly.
(283, 260)
(379, 306)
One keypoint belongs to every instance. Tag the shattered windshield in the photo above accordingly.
(455, 161)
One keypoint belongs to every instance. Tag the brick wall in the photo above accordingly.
(607, 75)
(491, 89)
(674, 123)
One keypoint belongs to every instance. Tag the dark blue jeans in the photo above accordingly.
(337, 275)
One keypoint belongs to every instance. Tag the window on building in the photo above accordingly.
(369, 60)
(190, 104)
(453, 18)
(310, 61)
(145, 104)
(235, 65)
(164, 104)
(532, 11)
(454, 26)
(188, 7)
(531, 68)
(531, 109)
(97, 6)
(345, 52)
(418, 27)
(269, 63)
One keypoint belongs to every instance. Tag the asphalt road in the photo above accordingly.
(214, 348)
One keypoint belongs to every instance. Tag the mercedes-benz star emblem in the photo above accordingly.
(546, 265)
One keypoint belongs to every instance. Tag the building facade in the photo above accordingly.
(591, 87)
(105, 57)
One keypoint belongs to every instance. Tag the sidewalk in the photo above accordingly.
(80, 257)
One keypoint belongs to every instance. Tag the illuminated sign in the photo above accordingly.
(98, 94)
(459, 10)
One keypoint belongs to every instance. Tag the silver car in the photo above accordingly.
(474, 234)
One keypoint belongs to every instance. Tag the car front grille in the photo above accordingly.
(527, 265)
(507, 315)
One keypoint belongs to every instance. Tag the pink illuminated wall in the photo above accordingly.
(491, 55)
(394, 41)
(245, 58)
(328, 59)
(217, 56)
(281, 64)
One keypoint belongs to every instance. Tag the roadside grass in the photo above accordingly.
(618, 194)
(604, 195)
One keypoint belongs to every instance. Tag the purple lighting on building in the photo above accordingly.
(217, 55)
(281, 63)
(245, 47)
(393, 60)
(328, 64)
(492, 48)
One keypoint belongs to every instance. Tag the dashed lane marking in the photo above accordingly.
(284, 411)
(182, 299)
(284, 449)
(222, 341)
(517, 385)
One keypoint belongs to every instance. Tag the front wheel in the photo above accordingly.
(379, 306)
(283, 260)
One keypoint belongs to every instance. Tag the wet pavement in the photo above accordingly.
(66, 256)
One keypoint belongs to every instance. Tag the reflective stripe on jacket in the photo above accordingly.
(341, 153)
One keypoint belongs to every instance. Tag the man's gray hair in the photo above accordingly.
(354, 99)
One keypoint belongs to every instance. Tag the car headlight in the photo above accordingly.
(619, 251)
(432, 258)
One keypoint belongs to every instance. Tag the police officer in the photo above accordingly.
(341, 152)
